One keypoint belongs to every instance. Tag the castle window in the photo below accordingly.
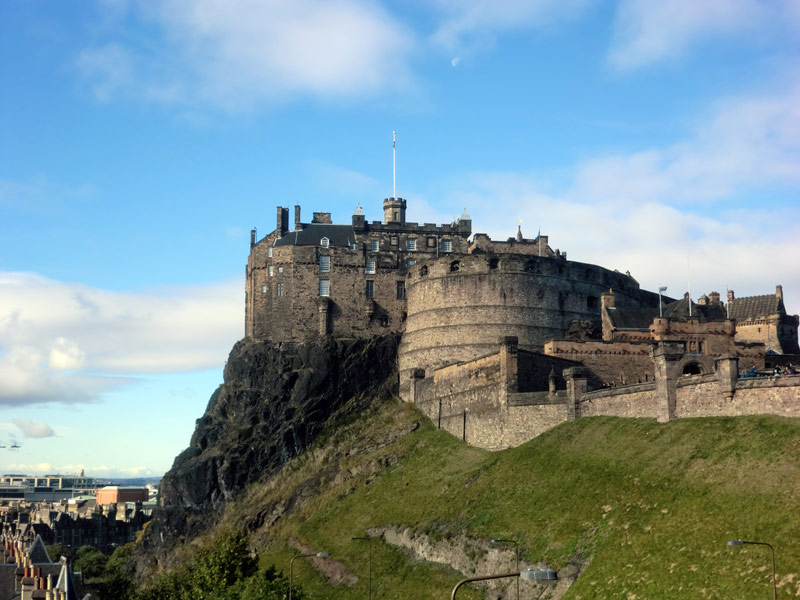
(279, 290)
(455, 266)
(325, 242)
(370, 267)
(270, 270)
(431, 241)
(384, 320)
(531, 266)
(591, 301)
(324, 263)
(269, 251)
(375, 245)
(410, 262)
(352, 245)
(263, 289)
(393, 240)
(280, 269)
(411, 244)
(369, 288)
(401, 290)
(447, 246)
(423, 271)
(493, 263)
(324, 287)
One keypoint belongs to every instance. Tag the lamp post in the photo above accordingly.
(516, 550)
(291, 565)
(661, 290)
(369, 539)
(774, 583)
(538, 575)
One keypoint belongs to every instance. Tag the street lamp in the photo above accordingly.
(291, 565)
(516, 549)
(743, 542)
(369, 539)
(538, 575)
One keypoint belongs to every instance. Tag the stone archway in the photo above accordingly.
(692, 368)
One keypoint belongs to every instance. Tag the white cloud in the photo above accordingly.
(646, 31)
(649, 211)
(475, 23)
(34, 430)
(237, 53)
(64, 342)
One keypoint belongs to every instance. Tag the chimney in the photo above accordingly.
(713, 298)
(297, 217)
(730, 295)
(779, 292)
(252, 237)
(282, 225)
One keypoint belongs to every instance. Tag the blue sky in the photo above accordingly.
(140, 142)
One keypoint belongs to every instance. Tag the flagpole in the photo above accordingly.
(394, 165)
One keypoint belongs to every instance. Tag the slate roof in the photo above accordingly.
(678, 310)
(312, 233)
(753, 307)
(632, 318)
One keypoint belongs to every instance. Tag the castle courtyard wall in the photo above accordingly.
(632, 401)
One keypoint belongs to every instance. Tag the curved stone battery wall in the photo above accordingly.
(459, 306)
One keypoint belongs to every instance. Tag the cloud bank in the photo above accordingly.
(65, 342)
(233, 54)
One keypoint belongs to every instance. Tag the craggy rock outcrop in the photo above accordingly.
(273, 404)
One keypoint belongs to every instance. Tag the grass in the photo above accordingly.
(641, 510)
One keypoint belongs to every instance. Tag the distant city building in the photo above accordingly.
(112, 494)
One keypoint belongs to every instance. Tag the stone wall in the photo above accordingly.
(639, 400)
(283, 302)
(613, 363)
(459, 306)
(779, 395)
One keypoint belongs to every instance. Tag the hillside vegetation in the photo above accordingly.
(622, 508)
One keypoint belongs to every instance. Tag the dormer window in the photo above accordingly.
(325, 242)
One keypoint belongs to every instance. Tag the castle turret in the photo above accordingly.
(394, 210)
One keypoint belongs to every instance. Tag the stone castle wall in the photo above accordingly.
(283, 300)
(458, 307)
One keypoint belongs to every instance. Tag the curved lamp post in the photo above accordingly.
(774, 583)
(516, 549)
(538, 575)
(369, 539)
(291, 565)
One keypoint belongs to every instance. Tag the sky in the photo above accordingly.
(140, 142)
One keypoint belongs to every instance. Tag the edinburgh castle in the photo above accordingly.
(502, 340)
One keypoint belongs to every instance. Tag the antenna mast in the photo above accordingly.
(394, 164)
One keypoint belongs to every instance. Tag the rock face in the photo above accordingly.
(272, 406)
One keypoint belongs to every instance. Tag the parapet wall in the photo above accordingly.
(459, 306)
(481, 403)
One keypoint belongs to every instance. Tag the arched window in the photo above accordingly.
(325, 242)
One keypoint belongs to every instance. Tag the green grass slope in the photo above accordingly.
(636, 509)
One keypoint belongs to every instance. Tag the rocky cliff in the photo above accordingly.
(273, 404)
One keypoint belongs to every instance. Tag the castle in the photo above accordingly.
(503, 339)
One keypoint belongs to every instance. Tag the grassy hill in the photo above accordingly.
(622, 508)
